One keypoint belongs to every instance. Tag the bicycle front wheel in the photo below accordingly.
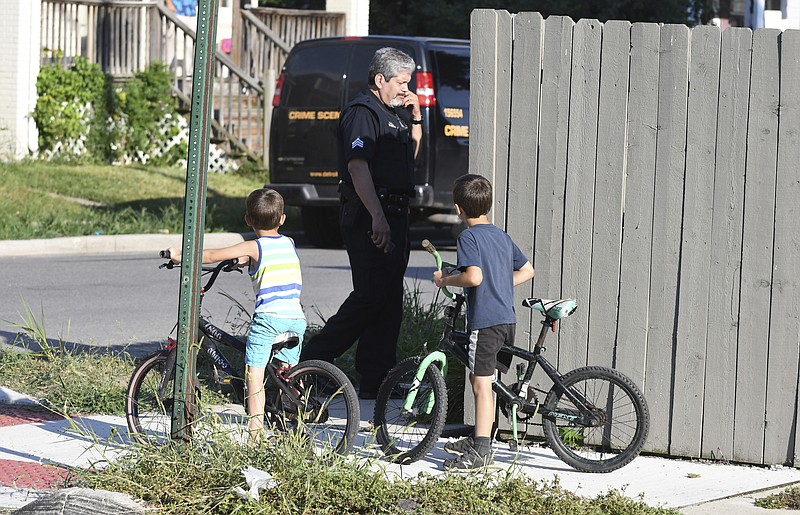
(150, 395)
(408, 435)
(621, 420)
(323, 407)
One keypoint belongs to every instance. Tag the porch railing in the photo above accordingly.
(125, 36)
(266, 35)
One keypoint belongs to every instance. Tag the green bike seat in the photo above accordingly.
(553, 308)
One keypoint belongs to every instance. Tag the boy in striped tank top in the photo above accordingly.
(274, 270)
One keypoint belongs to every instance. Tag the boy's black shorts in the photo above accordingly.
(484, 344)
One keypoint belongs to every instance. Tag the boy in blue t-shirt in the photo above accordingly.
(490, 265)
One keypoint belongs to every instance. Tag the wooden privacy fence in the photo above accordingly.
(651, 172)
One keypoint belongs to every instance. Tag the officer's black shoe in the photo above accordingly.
(367, 395)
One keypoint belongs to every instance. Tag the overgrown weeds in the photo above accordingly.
(788, 499)
(203, 478)
(69, 382)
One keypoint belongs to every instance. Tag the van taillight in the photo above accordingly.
(276, 98)
(425, 89)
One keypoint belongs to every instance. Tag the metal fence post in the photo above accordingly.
(183, 409)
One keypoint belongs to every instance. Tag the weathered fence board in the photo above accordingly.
(668, 200)
(661, 162)
(726, 245)
(609, 187)
(757, 249)
(523, 152)
(787, 261)
(490, 109)
(690, 341)
(554, 123)
(642, 122)
(784, 316)
(582, 152)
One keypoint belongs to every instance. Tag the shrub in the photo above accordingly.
(80, 114)
(147, 113)
(71, 111)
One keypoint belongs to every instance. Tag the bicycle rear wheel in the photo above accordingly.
(149, 400)
(324, 409)
(622, 420)
(408, 435)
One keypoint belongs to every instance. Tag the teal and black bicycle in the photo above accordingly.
(594, 418)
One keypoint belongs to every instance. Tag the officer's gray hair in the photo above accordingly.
(389, 62)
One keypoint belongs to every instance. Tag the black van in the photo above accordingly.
(319, 77)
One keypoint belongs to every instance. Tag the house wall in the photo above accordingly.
(19, 67)
(357, 12)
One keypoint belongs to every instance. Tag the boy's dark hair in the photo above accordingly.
(473, 194)
(264, 208)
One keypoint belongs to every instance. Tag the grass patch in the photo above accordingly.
(45, 200)
(788, 499)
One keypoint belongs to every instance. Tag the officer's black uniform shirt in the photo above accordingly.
(370, 130)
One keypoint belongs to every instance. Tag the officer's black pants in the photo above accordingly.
(373, 311)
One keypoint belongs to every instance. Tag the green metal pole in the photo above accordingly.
(183, 409)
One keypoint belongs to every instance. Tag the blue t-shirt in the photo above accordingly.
(185, 7)
(492, 250)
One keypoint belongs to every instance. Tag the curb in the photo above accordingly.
(9, 397)
(108, 244)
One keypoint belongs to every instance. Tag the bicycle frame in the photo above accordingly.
(456, 343)
(211, 335)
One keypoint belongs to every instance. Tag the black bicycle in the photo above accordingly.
(594, 418)
(313, 397)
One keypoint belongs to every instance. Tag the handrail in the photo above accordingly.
(239, 115)
(115, 3)
(262, 27)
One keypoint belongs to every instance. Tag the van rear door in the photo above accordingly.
(450, 126)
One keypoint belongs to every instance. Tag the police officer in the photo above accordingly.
(379, 136)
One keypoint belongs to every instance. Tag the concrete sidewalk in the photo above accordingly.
(108, 244)
(37, 450)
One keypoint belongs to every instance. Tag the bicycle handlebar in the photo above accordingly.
(229, 265)
(427, 245)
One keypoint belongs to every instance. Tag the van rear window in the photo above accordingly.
(314, 78)
(452, 75)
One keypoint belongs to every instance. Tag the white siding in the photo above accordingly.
(19, 66)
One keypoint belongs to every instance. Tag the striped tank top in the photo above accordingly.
(276, 279)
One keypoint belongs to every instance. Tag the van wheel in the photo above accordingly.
(321, 225)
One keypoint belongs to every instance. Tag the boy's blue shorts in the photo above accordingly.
(262, 333)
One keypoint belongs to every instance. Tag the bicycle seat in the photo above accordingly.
(287, 340)
(553, 308)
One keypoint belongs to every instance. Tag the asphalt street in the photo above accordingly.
(109, 291)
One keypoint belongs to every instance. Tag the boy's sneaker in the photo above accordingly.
(459, 446)
(470, 461)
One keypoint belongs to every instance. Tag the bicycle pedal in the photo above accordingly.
(221, 377)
